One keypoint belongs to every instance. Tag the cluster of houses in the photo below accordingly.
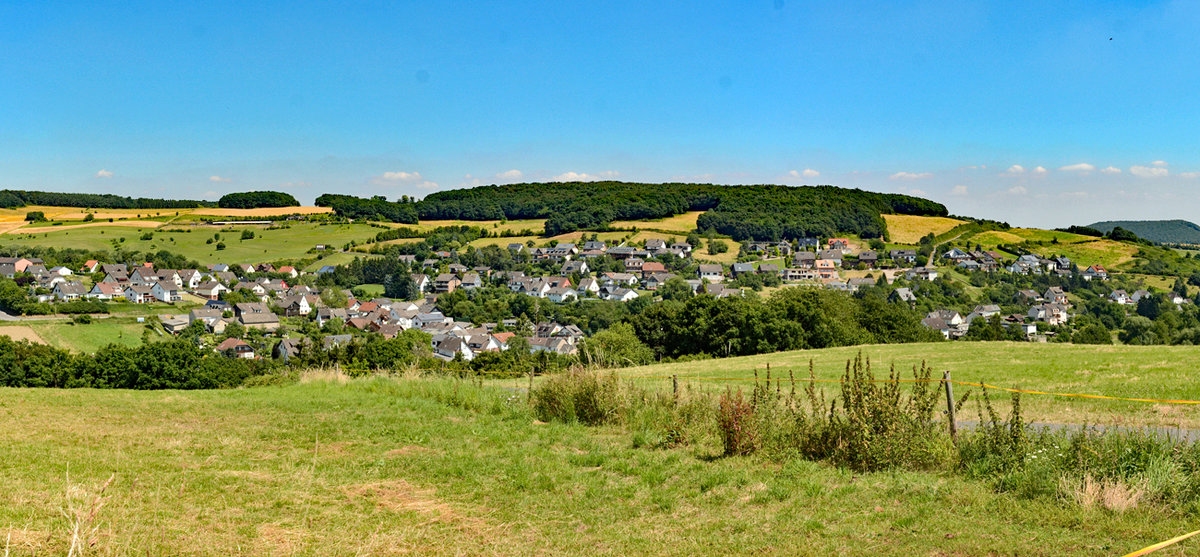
(1028, 264)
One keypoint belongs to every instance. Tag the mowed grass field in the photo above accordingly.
(380, 466)
(75, 337)
(1084, 250)
(909, 229)
(292, 242)
(1155, 372)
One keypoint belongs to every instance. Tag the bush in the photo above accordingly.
(736, 424)
(578, 396)
(247, 234)
(35, 216)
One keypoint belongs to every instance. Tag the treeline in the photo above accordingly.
(256, 199)
(18, 198)
(1162, 231)
(791, 319)
(375, 208)
(176, 364)
(763, 212)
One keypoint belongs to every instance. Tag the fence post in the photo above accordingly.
(675, 386)
(529, 393)
(950, 405)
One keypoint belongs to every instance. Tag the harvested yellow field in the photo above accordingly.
(728, 258)
(77, 213)
(262, 212)
(121, 223)
(21, 333)
(493, 226)
(683, 223)
(909, 229)
(993, 238)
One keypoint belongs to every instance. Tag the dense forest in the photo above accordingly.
(375, 208)
(742, 212)
(1161, 231)
(11, 199)
(256, 199)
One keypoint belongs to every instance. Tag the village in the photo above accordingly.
(264, 297)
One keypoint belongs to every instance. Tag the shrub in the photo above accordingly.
(578, 396)
(736, 424)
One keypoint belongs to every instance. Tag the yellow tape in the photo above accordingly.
(1161, 545)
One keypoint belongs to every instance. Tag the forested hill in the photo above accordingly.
(764, 212)
(12, 199)
(1162, 231)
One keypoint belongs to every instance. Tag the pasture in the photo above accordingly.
(909, 229)
(439, 467)
(289, 242)
(1153, 372)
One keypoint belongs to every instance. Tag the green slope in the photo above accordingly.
(1163, 231)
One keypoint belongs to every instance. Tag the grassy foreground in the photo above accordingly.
(1157, 372)
(388, 466)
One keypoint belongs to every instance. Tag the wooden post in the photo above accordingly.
(950, 405)
(529, 394)
(675, 385)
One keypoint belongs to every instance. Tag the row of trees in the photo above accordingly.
(375, 208)
(256, 199)
(20, 198)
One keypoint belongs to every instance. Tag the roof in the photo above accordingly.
(230, 344)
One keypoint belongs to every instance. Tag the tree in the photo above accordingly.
(675, 289)
(1092, 334)
(35, 216)
(717, 247)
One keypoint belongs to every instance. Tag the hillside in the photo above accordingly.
(1161, 231)
(761, 212)
(385, 466)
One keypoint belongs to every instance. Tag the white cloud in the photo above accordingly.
(585, 177)
(513, 174)
(427, 185)
(976, 167)
(393, 178)
(104, 173)
(1189, 175)
(910, 176)
(1110, 170)
(1014, 170)
(1148, 171)
(1081, 167)
(1018, 190)
(806, 173)
(1039, 171)
(1159, 163)
(959, 190)
(216, 178)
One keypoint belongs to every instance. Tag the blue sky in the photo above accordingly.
(1026, 112)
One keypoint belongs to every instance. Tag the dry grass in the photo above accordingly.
(21, 333)
(909, 229)
(682, 223)
(1114, 495)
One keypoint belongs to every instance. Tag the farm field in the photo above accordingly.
(1157, 372)
(681, 224)
(909, 229)
(380, 466)
(493, 226)
(78, 338)
(291, 242)
(1085, 250)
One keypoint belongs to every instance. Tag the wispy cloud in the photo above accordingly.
(1014, 170)
(391, 178)
(1148, 171)
(1018, 190)
(909, 176)
(585, 177)
(215, 178)
(1110, 170)
(1082, 167)
(959, 191)
(104, 173)
(1159, 163)
(513, 174)
(428, 185)
(1039, 171)
(1189, 174)
(806, 173)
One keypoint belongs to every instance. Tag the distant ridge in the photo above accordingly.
(1162, 231)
